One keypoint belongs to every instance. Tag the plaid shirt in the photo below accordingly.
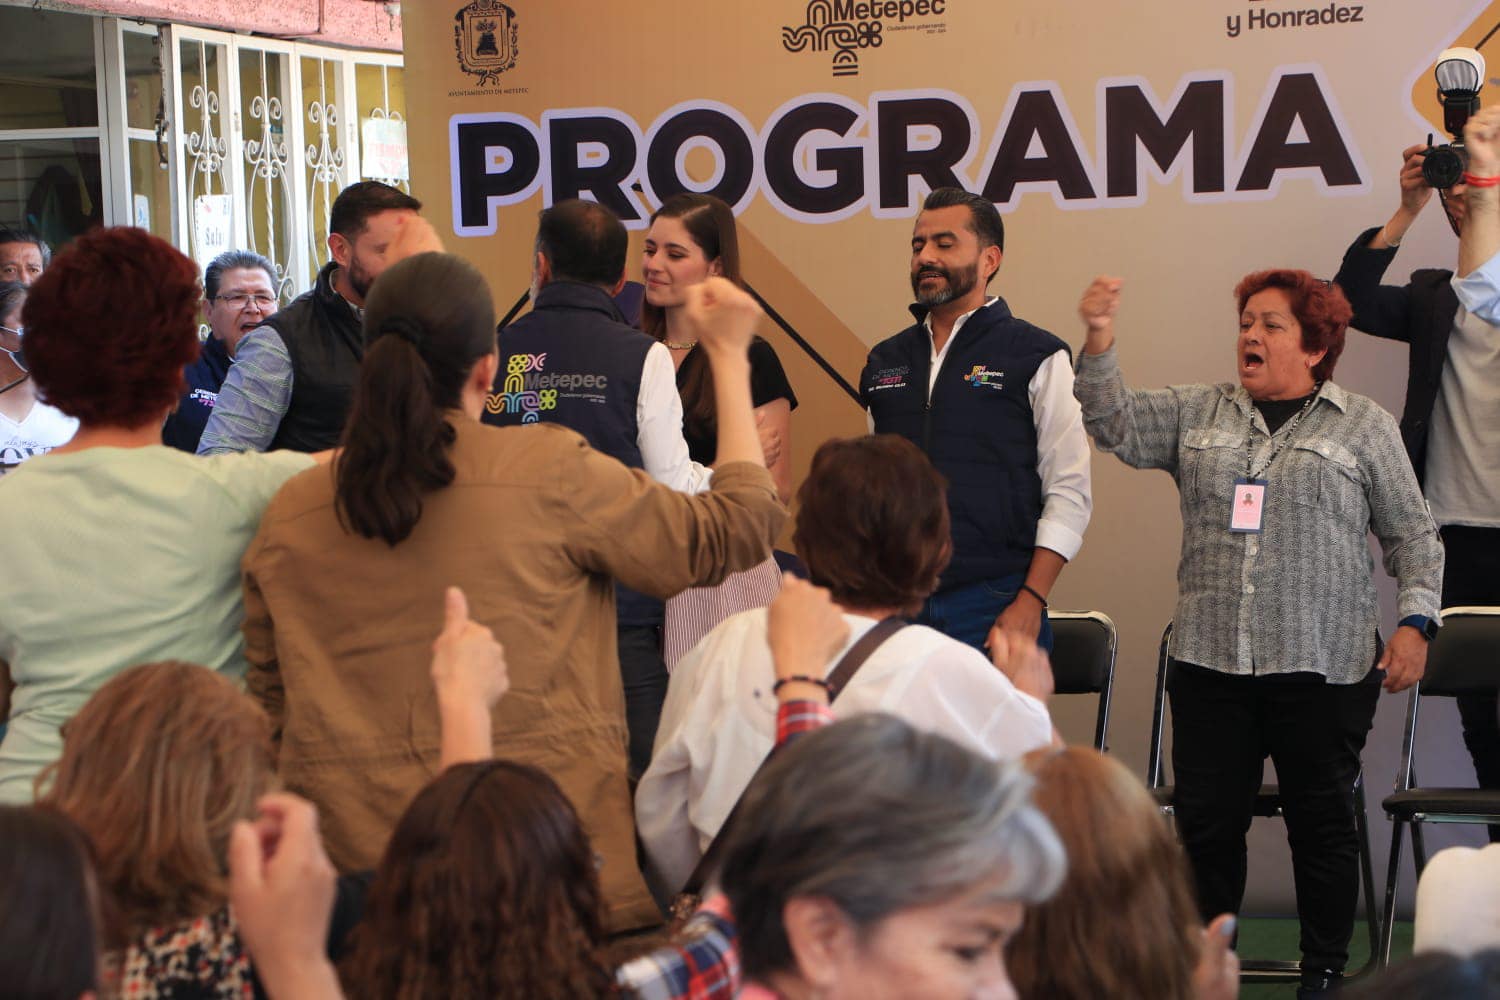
(1299, 595)
(704, 962)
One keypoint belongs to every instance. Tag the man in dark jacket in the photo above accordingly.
(239, 292)
(573, 360)
(989, 398)
(1451, 419)
(293, 376)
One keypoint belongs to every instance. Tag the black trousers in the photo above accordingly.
(1471, 575)
(644, 674)
(1223, 728)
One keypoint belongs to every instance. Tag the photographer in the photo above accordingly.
(1451, 420)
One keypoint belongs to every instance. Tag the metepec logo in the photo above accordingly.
(484, 37)
(846, 27)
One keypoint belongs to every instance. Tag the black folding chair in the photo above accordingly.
(1267, 805)
(1460, 660)
(1083, 661)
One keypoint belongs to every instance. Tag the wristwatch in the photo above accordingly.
(1427, 626)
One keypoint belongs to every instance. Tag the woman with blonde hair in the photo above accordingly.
(1147, 942)
(156, 769)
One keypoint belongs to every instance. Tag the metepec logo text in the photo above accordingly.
(845, 27)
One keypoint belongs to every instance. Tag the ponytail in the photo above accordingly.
(428, 320)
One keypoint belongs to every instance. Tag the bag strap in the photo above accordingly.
(838, 679)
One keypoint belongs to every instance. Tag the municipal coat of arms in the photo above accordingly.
(484, 35)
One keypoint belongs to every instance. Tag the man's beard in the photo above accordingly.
(956, 284)
(359, 279)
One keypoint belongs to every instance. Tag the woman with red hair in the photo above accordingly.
(1282, 476)
(117, 550)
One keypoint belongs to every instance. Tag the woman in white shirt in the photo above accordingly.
(873, 529)
(27, 425)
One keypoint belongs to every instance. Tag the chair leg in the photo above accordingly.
(1418, 848)
(1367, 878)
(1393, 873)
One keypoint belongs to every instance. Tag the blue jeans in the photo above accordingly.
(966, 613)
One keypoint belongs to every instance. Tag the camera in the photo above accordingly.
(1460, 75)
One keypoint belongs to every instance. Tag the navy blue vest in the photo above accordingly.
(204, 379)
(573, 361)
(978, 429)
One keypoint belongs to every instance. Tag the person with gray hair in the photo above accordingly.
(239, 293)
(23, 255)
(875, 860)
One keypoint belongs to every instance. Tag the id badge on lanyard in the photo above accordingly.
(1248, 506)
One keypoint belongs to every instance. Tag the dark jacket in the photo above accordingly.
(1420, 313)
(204, 378)
(978, 428)
(573, 361)
(325, 341)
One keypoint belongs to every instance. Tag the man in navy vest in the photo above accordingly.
(573, 360)
(989, 398)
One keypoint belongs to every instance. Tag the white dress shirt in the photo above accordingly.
(1062, 447)
(658, 421)
(719, 723)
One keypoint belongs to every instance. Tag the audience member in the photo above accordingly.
(294, 375)
(28, 426)
(239, 292)
(23, 255)
(116, 550)
(156, 768)
(1434, 975)
(1450, 422)
(610, 383)
(874, 860)
(693, 237)
(531, 522)
(989, 398)
(1124, 923)
(1275, 637)
(49, 909)
(872, 526)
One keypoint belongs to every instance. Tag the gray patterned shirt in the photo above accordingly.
(1298, 596)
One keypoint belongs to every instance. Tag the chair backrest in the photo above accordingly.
(1154, 778)
(1464, 657)
(1084, 644)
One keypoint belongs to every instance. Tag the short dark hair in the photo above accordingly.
(49, 929)
(357, 202)
(872, 522)
(10, 234)
(105, 365)
(984, 218)
(1319, 306)
(231, 260)
(582, 241)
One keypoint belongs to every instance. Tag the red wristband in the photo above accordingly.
(1481, 182)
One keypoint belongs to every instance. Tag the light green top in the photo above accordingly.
(111, 557)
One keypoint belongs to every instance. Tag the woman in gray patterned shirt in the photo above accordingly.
(1275, 643)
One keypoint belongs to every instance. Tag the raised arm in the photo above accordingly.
(1384, 310)
(1479, 238)
(469, 674)
(1140, 428)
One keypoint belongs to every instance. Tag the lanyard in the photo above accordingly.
(1286, 437)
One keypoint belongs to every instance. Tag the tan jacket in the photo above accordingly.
(339, 628)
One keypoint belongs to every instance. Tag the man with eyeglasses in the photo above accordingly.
(239, 292)
(1451, 420)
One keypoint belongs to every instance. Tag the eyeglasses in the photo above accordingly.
(19, 331)
(239, 300)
